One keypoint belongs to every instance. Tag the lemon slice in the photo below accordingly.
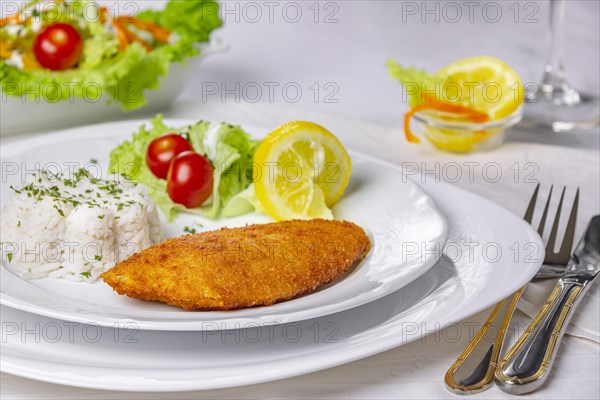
(457, 141)
(483, 83)
(304, 170)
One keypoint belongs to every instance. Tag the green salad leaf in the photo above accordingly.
(230, 150)
(228, 147)
(242, 203)
(201, 17)
(415, 81)
(124, 77)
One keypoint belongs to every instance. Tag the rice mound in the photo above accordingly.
(77, 227)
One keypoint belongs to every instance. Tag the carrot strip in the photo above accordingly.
(121, 35)
(103, 11)
(470, 113)
(12, 18)
(5, 49)
(30, 62)
(161, 34)
(132, 37)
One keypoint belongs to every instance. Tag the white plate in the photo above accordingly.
(407, 235)
(456, 288)
(18, 116)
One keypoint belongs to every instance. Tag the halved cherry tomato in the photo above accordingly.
(162, 150)
(190, 179)
(58, 47)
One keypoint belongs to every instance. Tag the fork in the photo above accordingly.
(473, 371)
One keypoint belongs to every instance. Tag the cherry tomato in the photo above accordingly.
(190, 179)
(162, 150)
(58, 47)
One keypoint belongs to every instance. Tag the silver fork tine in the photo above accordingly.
(531, 207)
(550, 254)
(555, 262)
(564, 253)
(545, 214)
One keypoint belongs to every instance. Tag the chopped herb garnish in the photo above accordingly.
(189, 230)
(104, 192)
(94, 161)
(9, 256)
(98, 258)
(86, 274)
(101, 216)
(62, 214)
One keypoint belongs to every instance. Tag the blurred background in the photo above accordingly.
(329, 57)
(335, 52)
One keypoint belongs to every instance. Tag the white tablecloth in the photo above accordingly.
(415, 370)
(367, 115)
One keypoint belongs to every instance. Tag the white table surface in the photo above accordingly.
(350, 55)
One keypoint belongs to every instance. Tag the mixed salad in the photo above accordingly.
(298, 171)
(198, 168)
(58, 49)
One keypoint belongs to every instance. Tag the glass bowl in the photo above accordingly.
(455, 134)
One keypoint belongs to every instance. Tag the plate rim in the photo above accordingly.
(196, 325)
(374, 347)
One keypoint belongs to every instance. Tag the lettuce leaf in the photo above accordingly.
(124, 77)
(242, 203)
(201, 17)
(229, 148)
(415, 81)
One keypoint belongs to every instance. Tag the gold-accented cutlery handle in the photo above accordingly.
(526, 365)
(474, 370)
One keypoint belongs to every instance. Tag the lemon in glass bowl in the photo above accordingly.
(464, 107)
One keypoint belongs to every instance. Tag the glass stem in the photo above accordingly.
(554, 84)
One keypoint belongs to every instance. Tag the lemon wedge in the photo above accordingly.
(303, 171)
(483, 83)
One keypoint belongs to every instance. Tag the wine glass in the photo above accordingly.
(555, 104)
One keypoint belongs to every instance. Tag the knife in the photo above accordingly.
(527, 364)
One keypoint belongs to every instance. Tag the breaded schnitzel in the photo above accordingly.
(234, 268)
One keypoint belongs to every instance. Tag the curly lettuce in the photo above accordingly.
(415, 81)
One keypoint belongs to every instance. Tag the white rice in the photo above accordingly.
(75, 229)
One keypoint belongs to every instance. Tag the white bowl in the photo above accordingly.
(18, 115)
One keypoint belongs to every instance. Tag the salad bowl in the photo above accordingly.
(65, 63)
(21, 115)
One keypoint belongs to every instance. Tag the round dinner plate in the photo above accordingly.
(490, 254)
(406, 229)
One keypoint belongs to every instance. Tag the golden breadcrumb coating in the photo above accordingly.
(234, 268)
